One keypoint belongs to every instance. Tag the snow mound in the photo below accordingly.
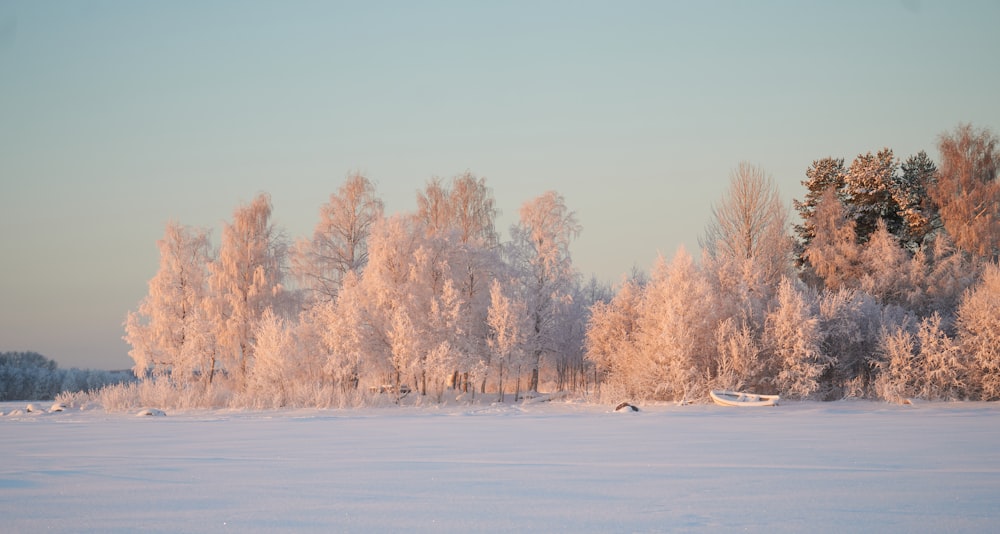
(535, 398)
(150, 412)
(31, 408)
(15, 412)
(57, 407)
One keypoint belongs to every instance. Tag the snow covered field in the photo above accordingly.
(553, 467)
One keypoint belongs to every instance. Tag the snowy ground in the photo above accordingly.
(552, 467)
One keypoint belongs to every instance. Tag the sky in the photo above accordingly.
(117, 117)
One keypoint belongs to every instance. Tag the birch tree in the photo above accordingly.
(170, 334)
(833, 255)
(340, 240)
(507, 326)
(746, 242)
(278, 370)
(460, 217)
(611, 340)
(967, 190)
(246, 280)
(540, 255)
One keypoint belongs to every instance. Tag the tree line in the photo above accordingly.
(32, 376)
(886, 288)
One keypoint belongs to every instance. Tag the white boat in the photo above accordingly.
(738, 398)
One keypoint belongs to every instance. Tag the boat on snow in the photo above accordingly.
(739, 398)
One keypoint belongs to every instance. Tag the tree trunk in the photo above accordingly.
(396, 389)
(517, 388)
(533, 383)
(500, 383)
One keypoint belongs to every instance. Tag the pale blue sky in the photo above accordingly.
(117, 116)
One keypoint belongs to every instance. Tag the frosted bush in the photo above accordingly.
(979, 331)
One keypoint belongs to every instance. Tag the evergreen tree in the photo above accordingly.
(869, 188)
(918, 212)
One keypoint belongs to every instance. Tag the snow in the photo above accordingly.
(549, 466)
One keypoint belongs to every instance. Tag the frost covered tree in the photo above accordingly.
(408, 314)
(170, 333)
(246, 280)
(897, 365)
(379, 291)
(979, 331)
(507, 322)
(278, 370)
(539, 253)
(872, 190)
(851, 322)
(938, 276)
(466, 207)
(350, 336)
(870, 187)
(340, 240)
(917, 211)
(885, 267)
(792, 337)
(944, 365)
(460, 218)
(967, 190)
(611, 340)
(823, 175)
(925, 363)
(676, 331)
(833, 254)
(746, 243)
(740, 359)
(28, 376)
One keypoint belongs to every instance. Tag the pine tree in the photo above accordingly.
(868, 193)
(918, 212)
